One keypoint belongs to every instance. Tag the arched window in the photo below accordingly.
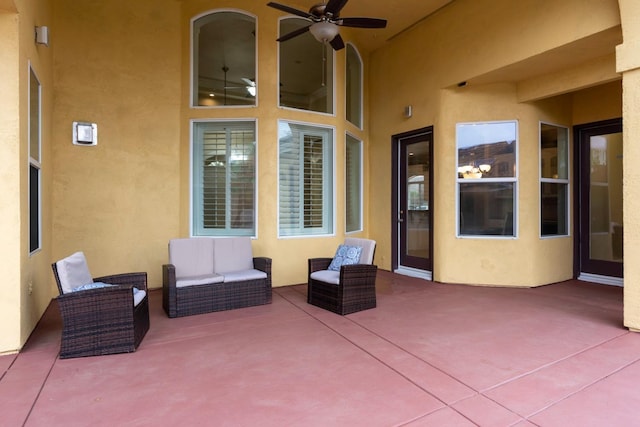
(306, 70)
(353, 94)
(224, 59)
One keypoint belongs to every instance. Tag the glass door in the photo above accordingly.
(414, 201)
(600, 212)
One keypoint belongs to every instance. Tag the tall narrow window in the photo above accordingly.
(354, 86)
(34, 162)
(487, 178)
(554, 180)
(306, 70)
(224, 178)
(305, 180)
(224, 60)
(353, 184)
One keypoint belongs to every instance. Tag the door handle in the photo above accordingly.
(400, 218)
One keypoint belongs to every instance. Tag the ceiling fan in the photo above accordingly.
(325, 19)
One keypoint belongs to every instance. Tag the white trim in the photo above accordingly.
(566, 181)
(192, 123)
(603, 280)
(36, 163)
(346, 76)
(192, 59)
(333, 76)
(361, 183)
(331, 131)
(514, 179)
(414, 272)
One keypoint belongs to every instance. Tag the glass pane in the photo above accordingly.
(34, 117)
(306, 70)
(34, 208)
(486, 150)
(353, 185)
(354, 86)
(313, 181)
(554, 144)
(305, 180)
(487, 208)
(224, 178)
(224, 59)
(418, 164)
(606, 197)
(554, 209)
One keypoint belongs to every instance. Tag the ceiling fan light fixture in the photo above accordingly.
(251, 90)
(324, 31)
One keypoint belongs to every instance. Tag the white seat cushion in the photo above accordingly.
(192, 256)
(238, 276)
(138, 296)
(327, 276)
(73, 271)
(232, 254)
(205, 279)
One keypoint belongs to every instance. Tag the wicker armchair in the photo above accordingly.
(351, 289)
(105, 319)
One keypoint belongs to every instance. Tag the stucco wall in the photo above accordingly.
(26, 291)
(117, 64)
(464, 43)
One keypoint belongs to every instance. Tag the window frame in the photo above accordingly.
(197, 230)
(332, 68)
(509, 179)
(566, 182)
(348, 180)
(329, 160)
(194, 62)
(34, 164)
(360, 101)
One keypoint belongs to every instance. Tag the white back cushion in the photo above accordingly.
(73, 271)
(232, 254)
(368, 248)
(191, 256)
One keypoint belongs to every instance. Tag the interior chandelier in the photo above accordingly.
(471, 171)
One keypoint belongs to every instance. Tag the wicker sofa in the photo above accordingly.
(207, 274)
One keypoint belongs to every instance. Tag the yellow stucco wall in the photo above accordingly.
(628, 63)
(501, 64)
(10, 245)
(125, 66)
(117, 65)
(26, 290)
(121, 201)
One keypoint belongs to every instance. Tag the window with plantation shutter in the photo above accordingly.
(305, 180)
(353, 185)
(224, 171)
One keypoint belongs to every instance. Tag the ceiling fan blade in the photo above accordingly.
(362, 22)
(293, 34)
(289, 9)
(334, 7)
(248, 81)
(337, 43)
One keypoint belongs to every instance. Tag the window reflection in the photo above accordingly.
(306, 70)
(487, 166)
(224, 60)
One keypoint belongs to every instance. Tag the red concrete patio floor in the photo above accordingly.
(430, 354)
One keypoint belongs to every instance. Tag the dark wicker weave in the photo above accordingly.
(356, 291)
(103, 321)
(200, 299)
